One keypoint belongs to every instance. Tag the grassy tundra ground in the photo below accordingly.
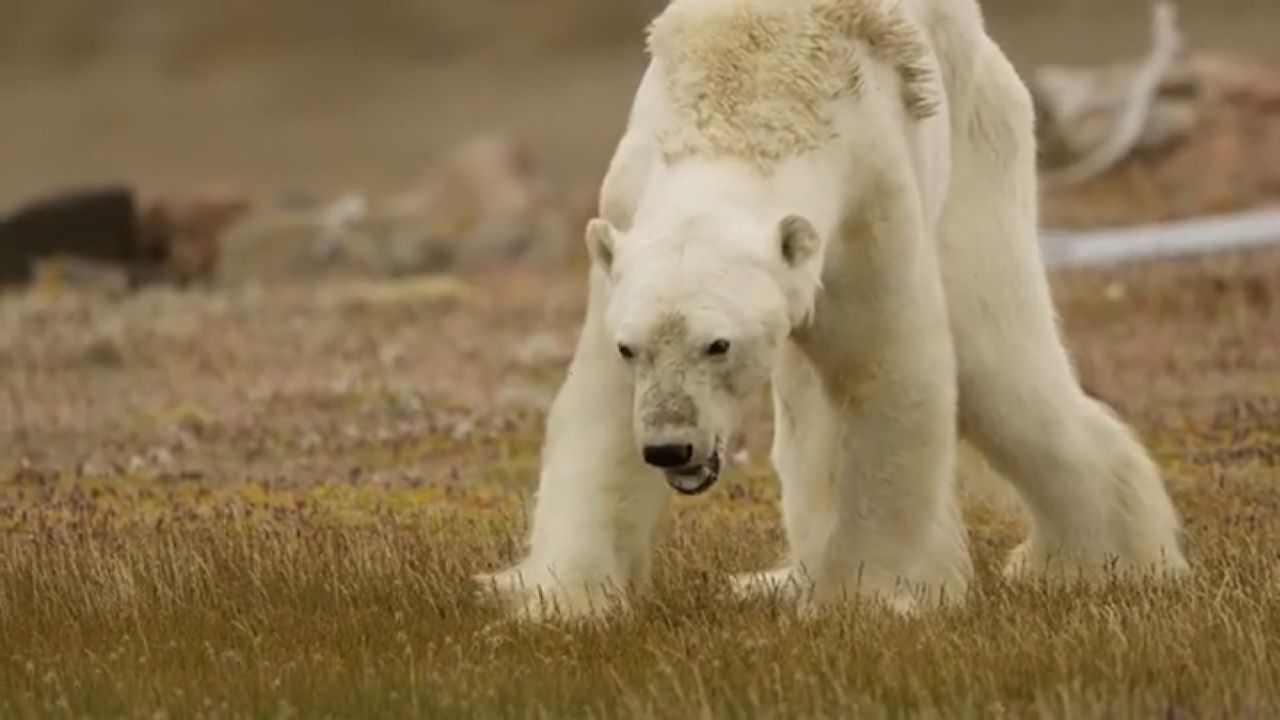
(267, 503)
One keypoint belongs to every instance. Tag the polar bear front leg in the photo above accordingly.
(868, 491)
(805, 451)
(866, 403)
(898, 535)
(598, 506)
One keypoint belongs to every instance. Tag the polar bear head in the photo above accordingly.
(697, 311)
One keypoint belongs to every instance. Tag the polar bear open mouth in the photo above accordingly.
(696, 479)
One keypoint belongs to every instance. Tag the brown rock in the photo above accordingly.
(488, 204)
(185, 232)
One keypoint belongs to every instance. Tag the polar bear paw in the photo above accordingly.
(795, 585)
(786, 583)
(1033, 560)
(540, 598)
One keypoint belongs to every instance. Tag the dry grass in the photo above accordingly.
(267, 503)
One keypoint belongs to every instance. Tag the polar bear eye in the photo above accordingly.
(717, 348)
(626, 351)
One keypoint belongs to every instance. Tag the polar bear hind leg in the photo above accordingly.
(1094, 495)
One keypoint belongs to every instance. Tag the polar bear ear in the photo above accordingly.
(600, 243)
(800, 240)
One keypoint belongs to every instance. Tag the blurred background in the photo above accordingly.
(338, 94)
(318, 98)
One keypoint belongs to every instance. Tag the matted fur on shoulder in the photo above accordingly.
(756, 78)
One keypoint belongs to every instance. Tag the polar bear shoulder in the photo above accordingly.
(756, 79)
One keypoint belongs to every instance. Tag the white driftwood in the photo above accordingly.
(1198, 236)
(1167, 44)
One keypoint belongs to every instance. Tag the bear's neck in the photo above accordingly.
(699, 189)
(695, 185)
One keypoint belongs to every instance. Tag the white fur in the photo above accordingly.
(927, 310)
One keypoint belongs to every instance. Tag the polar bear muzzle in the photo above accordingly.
(696, 479)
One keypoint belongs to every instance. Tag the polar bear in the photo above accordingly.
(837, 198)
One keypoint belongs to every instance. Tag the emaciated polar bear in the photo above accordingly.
(840, 196)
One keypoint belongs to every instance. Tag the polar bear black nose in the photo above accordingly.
(668, 456)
